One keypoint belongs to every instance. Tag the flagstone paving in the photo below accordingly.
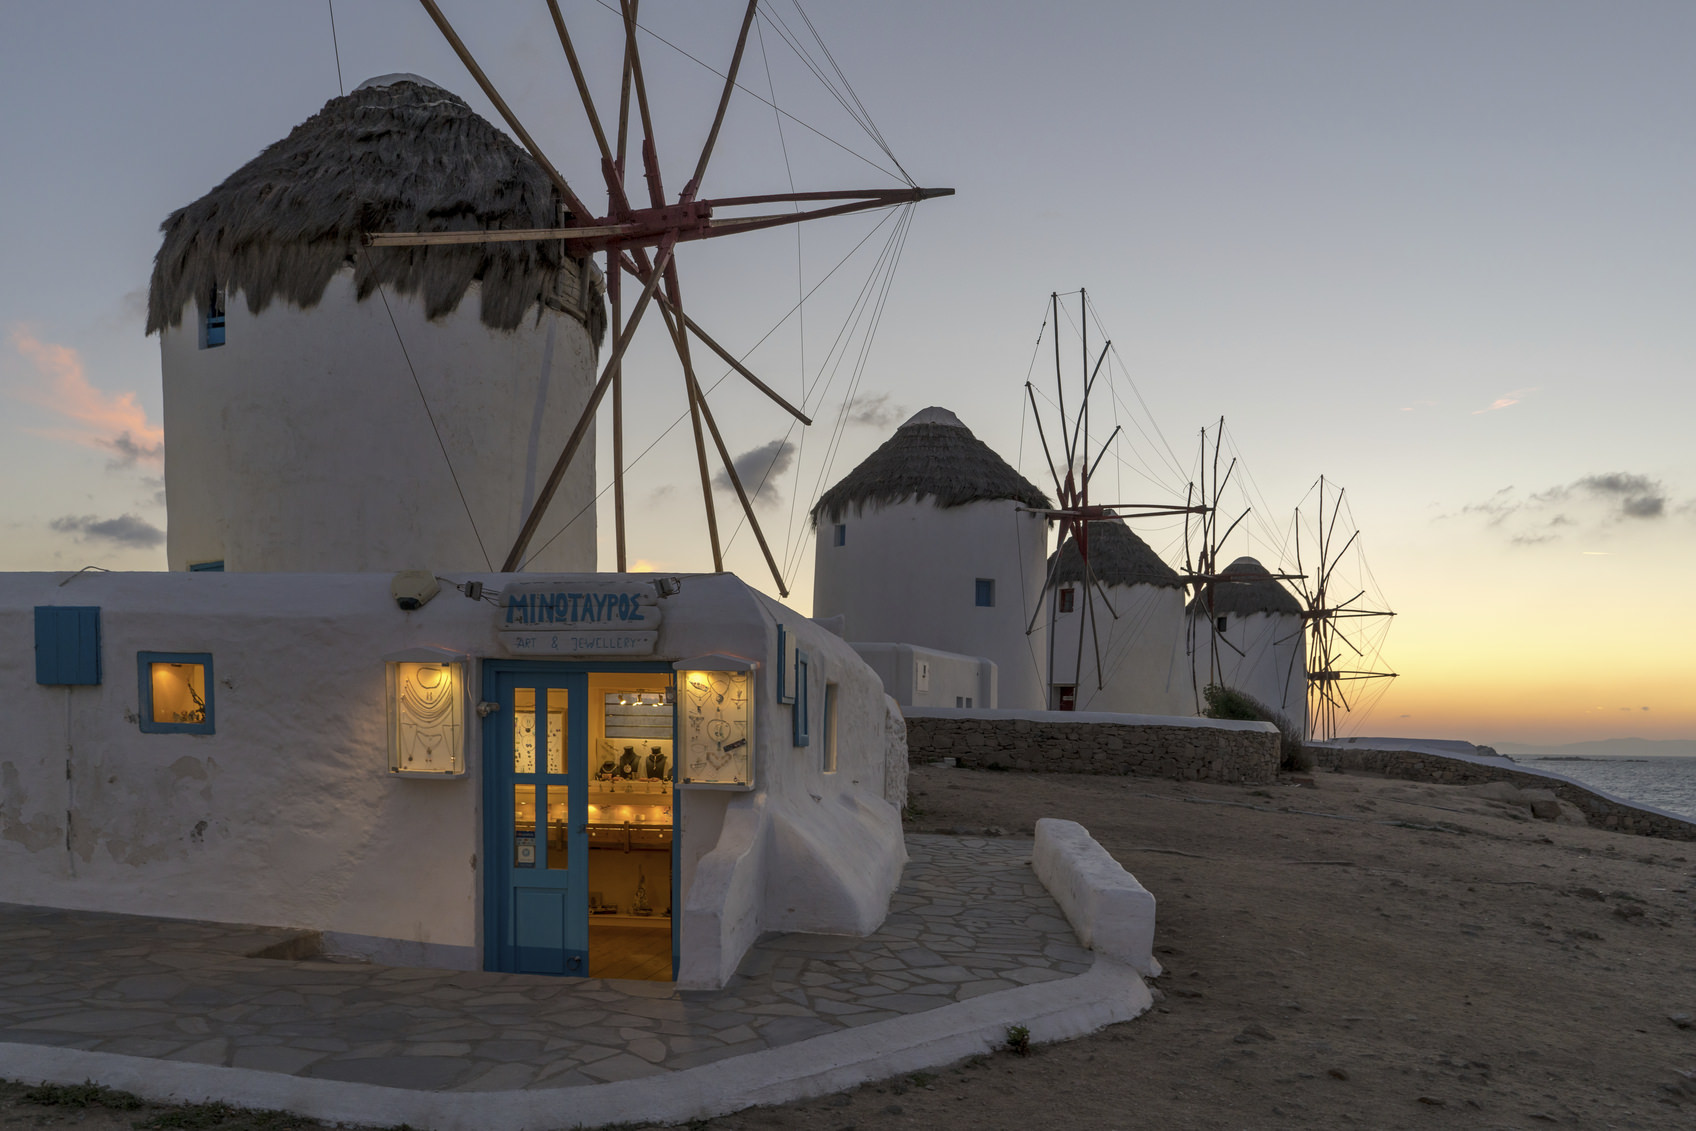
(970, 918)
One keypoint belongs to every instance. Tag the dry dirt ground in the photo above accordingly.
(1347, 951)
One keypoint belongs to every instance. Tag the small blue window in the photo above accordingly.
(176, 692)
(206, 567)
(986, 592)
(841, 534)
(212, 320)
(803, 733)
(67, 644)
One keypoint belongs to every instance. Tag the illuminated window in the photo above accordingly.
(1068, 600)
(176, 692)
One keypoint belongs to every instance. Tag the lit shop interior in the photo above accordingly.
(629, 820)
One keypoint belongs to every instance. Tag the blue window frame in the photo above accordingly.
(207, 567)
(67, 644)
(212, 320)
(839, 537)
(986, 592)
(785, 678)
(803, 732)
(176, 692)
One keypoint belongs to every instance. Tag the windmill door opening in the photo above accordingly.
(581, 832)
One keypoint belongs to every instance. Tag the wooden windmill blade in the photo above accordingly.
(625, 234)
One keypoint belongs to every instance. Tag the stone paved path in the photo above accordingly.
(970, 918)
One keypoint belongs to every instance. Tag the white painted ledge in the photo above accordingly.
(1053, 1011)
(1112, 913)
(990, 714)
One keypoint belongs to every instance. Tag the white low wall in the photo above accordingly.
(1112, 913)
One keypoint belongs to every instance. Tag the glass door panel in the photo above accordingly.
(540, 919)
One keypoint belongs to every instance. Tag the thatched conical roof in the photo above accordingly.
(931, 456)
(399, 154)
(1116, 557)
(1259, 594)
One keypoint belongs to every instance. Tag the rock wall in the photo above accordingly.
(1600, 812)
(1092, 743)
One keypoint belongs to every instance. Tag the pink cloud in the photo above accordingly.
(1506, 400)
(114, 423)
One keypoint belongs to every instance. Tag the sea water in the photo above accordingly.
(1664, 782)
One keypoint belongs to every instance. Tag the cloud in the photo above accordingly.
(1416, 405)
(1598, 500)
(760, 469)
(114, 423)
(873, 410)
(1637, 496)
(125, 530)
(1506, 400)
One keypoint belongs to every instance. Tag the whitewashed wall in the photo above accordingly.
(1272, 667)
(907, 574)
(287, 814)
(927, 677)
(303, 444)
(1139, 675)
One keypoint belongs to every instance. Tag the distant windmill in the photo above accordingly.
(1327, 619)
(1074, 510)
(626, 233)
(1242, 586)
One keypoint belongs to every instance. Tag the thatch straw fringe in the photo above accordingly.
(1241, 598)
(942, 462)
(1116, 557)
(402, 157)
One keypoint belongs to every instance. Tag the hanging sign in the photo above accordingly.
(579, 618)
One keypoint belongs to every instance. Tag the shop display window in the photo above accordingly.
(176, 692)
(426, 713)
(717, 728)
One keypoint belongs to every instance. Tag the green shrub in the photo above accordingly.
(1229, 703)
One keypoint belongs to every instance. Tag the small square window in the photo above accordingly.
(176, 692)
(1221, 624)
(840, 535)
(67, 644)
(986, 592)
(1068, 599)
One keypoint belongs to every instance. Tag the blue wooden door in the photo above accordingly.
(538, 811)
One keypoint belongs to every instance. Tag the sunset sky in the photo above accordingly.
(1441, 253)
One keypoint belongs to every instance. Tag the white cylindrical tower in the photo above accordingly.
(1262, 641)
(926, 543)
(1129, 607)
(336, 407)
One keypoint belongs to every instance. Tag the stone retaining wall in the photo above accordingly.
(1601, 812)
(1091, 743)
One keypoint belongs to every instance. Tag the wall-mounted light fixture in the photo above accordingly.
(427, 705)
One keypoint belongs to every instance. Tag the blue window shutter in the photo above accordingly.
(207, 567)
(986, 592)
(67, 644)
